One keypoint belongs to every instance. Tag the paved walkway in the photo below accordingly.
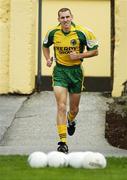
(28, 124)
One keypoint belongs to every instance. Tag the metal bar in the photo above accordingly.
(112, 11)
(39, 77)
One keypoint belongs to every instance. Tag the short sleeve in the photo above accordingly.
(48, 40)
(91, 40)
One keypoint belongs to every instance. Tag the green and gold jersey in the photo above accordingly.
(76, 40)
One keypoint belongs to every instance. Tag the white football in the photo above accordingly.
(37, 159)
(93, 160)
(100, 160)
(57, 159)
(75, 159)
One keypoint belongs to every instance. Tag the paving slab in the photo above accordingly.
(9, 106)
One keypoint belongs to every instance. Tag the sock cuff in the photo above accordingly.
(70, 116)
(62, 128)
(62, 131)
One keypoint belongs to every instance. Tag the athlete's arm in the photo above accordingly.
(46, 52)
(85, 54)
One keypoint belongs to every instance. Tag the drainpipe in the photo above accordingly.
(39, 73)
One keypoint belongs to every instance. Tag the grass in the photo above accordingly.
(17, 168)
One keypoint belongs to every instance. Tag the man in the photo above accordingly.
(72, 43)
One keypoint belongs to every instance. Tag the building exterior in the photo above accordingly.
(19, 43)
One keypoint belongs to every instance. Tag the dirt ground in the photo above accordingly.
(116, 123)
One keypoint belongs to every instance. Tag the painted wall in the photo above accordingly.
(18, 41)
(4, 45)
(120, 56)
(17, 45)
(22, 46)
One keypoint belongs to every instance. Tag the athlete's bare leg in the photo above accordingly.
(74, 100)
(61, 99)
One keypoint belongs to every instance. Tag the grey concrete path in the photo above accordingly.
(9, 105)
(32, 125)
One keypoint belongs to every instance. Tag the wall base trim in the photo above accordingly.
(92, 84)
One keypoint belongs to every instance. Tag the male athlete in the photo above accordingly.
(72, 43)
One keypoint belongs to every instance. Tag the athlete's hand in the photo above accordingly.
(74, 55)
(49, 62)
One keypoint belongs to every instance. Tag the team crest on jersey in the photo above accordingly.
(73, 42)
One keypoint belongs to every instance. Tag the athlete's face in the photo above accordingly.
(65, 19)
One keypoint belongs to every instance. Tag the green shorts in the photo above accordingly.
(69, 77)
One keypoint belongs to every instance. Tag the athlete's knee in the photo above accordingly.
(62, 107)
(74, 110)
